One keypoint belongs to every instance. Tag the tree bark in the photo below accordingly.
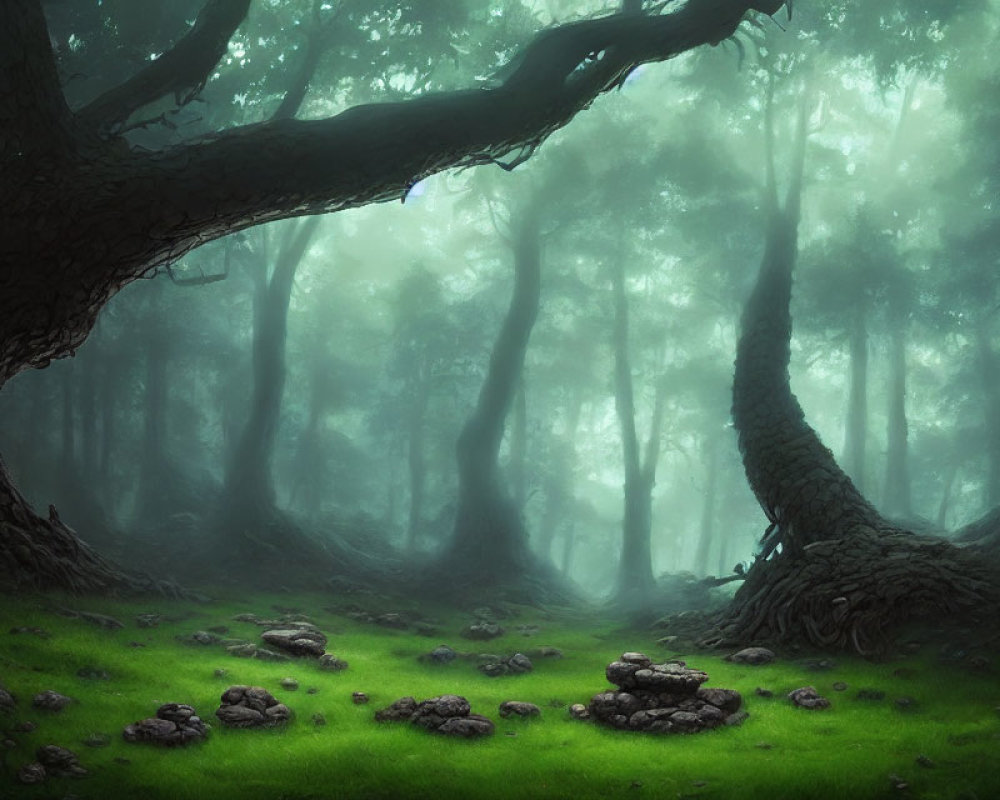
(708, 509)
(832, 572)
(519, 448)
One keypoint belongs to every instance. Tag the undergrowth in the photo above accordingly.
(857, 749)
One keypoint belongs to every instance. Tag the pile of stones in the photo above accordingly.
(661, 698)
(448, 714)
(517, 664)
(251, 707)
(52, 762)
(175, 725)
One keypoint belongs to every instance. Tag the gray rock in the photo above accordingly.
(51, 701)
(175, 725)
(808, 697)
(31, 773)
(7, 702)
(729, 700)
(263, 654)
(579, 711)
(318, 720)
(442, 654)
(251, 707)
(470, 727)
(199, 637)
(59, 762)
(359, 698)
(518, 708)
(754, 656)
(447, 714)
(290, 684)
(97, 740)
(391, 620)
(483, 631)
(297, 641)
(332, 663)
(148, 620)
(401, 710)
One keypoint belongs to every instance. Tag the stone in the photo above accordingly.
(51, 701)
(34, 630)
(199, 637)
(175, 725)
(545, 651)
(754, 656)
(331, 663)
(808, 697)
(839, 686)
(93, 674)
(470, 727)
(59, 762)
(318, 720)
(425, 629)
(579, 711)
(400, 710)
(218, 672)
(518, 708)
(359, 698)
(243, 650)
(447, 714)
(442, 654)
(263, 654)
(517, 664)
(148, 620)
(290, 684)
(25, 727)
(31, 773)
(97, 740)
(391, 620)
(296, 641)
(251, 707)
(482, 631)
(764, 692)
(312, 690)
(7, 702)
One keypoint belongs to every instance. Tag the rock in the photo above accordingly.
(41, 633)
(8, 744)
(25, 727)
(808, 697)
(263, 654)
(100, 620)
(253, 618)
(296, 642)
(737, 719)
(517, 708)
(318, 720)
(754, 656)
(93, 674)
(819, 664)
(242, 650)
(447, 714)
(289, 684)
(97, 740)
(764, 692)
(312, 690)
(925, 761)
(839, 686)
(148, 620)
(425, 629)
(359, 698)
(51, 701)
(59, 762)
(331, 663)
(579, 711)
(7, 702)
(251, 707)
(483, 631)
(545, 652)
(31, 773)
(199, 637)
(391, 620)
(218, 672)
(517, 664)
(727, 700)
(175, 725)
(442, 654)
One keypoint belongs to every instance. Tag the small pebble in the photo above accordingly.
(764, 692)
(925, 761)
(290, 684)
(764, 746)
(219, 672)
(318, 720)
(840, 686)
(312, 690)
(359, 698)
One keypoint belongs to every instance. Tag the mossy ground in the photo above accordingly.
(848, 751)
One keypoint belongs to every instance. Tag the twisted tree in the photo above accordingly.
(832, 572)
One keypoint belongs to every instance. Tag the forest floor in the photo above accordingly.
(941, 741)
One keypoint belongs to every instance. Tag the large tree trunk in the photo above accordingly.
(843, 576)
(416, 458)
(708, 509)
(636, 583)
(92, 215)
(989, 370)
(898, 499)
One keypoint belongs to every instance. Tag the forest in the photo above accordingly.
(624, 326)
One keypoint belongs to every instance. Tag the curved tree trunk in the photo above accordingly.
(832, 571)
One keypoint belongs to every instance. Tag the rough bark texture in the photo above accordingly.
(843, 576)
(92, 215)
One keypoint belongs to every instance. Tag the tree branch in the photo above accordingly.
(182, 70)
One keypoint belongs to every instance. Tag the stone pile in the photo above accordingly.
(52, 762)
(661, 698)
(517, 664)
(251, 707)
(448, 714)
(175, 725)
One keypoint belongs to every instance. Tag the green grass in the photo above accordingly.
(846, 752)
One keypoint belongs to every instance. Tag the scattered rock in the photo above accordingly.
(517, 708)
(41, 633)
(25, 727)
(332, 663)
(425, 628)
(754, 656)
(391, 620)
(839, 686)
(925, 761)
(59, 762)
(7, 702)
(51, 701)
(870, 694)
(175, 725)
(447, 714)
(898, 783)
(251, 707)
(148, 620)
(297, 641)
(527, 630)
(819, 664)
(579, 711)
(517, 664)
(31, 773)
(218, 672)
(483, 631)
(263, 654)
(199, 637)
(763, 692)
(100, 620)
(318, 720)
(252, 618)
(764, 746)
(289, 684)
(93, 674)
(97, 740)
(359, 698)
(808, 697)
(442, 654)
(662, 698)
(545, 652)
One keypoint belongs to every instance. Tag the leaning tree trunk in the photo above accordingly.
(489, 549)
(832, 572)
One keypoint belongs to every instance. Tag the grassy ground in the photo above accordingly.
(849, 751)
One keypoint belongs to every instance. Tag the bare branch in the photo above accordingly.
(181, 71)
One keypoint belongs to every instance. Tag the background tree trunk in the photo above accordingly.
(856, 428)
